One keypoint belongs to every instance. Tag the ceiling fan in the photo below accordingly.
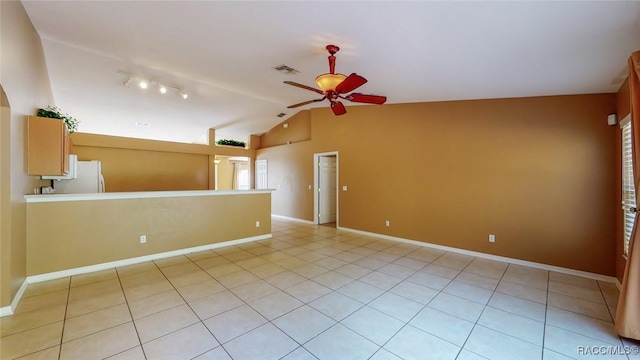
(333, 87)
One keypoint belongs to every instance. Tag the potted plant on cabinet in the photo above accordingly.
(54, 112)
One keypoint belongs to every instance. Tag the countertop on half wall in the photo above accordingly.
(138, 195)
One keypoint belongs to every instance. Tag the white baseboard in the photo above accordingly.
(8, 310)
(618, 284)
(292, 219)
(559, 269)
(109, 265)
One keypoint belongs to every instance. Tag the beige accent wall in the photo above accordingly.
(67, 235)
(539, 173)
(24, 78)
(144, 170)
(225, 173)
(130, 164)
(298, 129)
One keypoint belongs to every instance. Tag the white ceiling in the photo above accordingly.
(223, 55)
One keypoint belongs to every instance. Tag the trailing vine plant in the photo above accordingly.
(54, 112)
(231, 142)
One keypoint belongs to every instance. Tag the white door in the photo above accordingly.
(327, 189)
(261, 174)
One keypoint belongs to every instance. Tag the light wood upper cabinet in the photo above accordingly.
(47, 146)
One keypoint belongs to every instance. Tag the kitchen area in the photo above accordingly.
(84, 177)
(115, 201)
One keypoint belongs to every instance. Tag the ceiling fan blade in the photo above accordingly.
(351, 83)
(304, 103)
(304, 87)
(369, 99)
(338, 108)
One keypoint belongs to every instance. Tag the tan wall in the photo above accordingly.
(93, 232)
(298, 129)
(539, 173)
(290, 172)
(623, 110)
(141, 165)
(143, 170)
(225, 174)
(24, 78)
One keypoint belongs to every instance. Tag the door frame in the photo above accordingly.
(316, 195)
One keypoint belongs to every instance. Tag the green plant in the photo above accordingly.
(231, 142)
(55, 113)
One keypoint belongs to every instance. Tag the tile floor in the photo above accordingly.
(314, 292)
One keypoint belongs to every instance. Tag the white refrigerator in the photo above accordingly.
(89, 180)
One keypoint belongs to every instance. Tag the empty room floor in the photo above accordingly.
(314, 292)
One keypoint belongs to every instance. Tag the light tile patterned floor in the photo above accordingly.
(313, 292)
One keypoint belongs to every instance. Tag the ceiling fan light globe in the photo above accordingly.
(328, 82)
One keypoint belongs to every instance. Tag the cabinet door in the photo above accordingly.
(48, 146)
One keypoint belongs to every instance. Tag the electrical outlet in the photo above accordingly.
(143, 239)
(387, 223)
(492, 238)
(257, 223)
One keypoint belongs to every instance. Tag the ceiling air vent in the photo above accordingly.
(281, 115)
(286, 69)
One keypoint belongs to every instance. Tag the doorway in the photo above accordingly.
(261, 174)
(232, 173)
(326, 185)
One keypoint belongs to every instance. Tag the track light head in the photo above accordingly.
(143, 83)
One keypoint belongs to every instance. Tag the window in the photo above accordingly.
(628, 186)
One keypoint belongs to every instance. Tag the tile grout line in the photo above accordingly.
(126, 300)
(483, 310)
(546, 312)
(64, 319)
(332, 291)
(189, 305)
(333, 241)
(226, 289)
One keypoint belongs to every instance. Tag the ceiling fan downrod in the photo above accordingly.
(332, 49)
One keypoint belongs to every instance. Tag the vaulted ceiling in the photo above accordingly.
(223, 54)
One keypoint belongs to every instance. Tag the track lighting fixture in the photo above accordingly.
(145, 83)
